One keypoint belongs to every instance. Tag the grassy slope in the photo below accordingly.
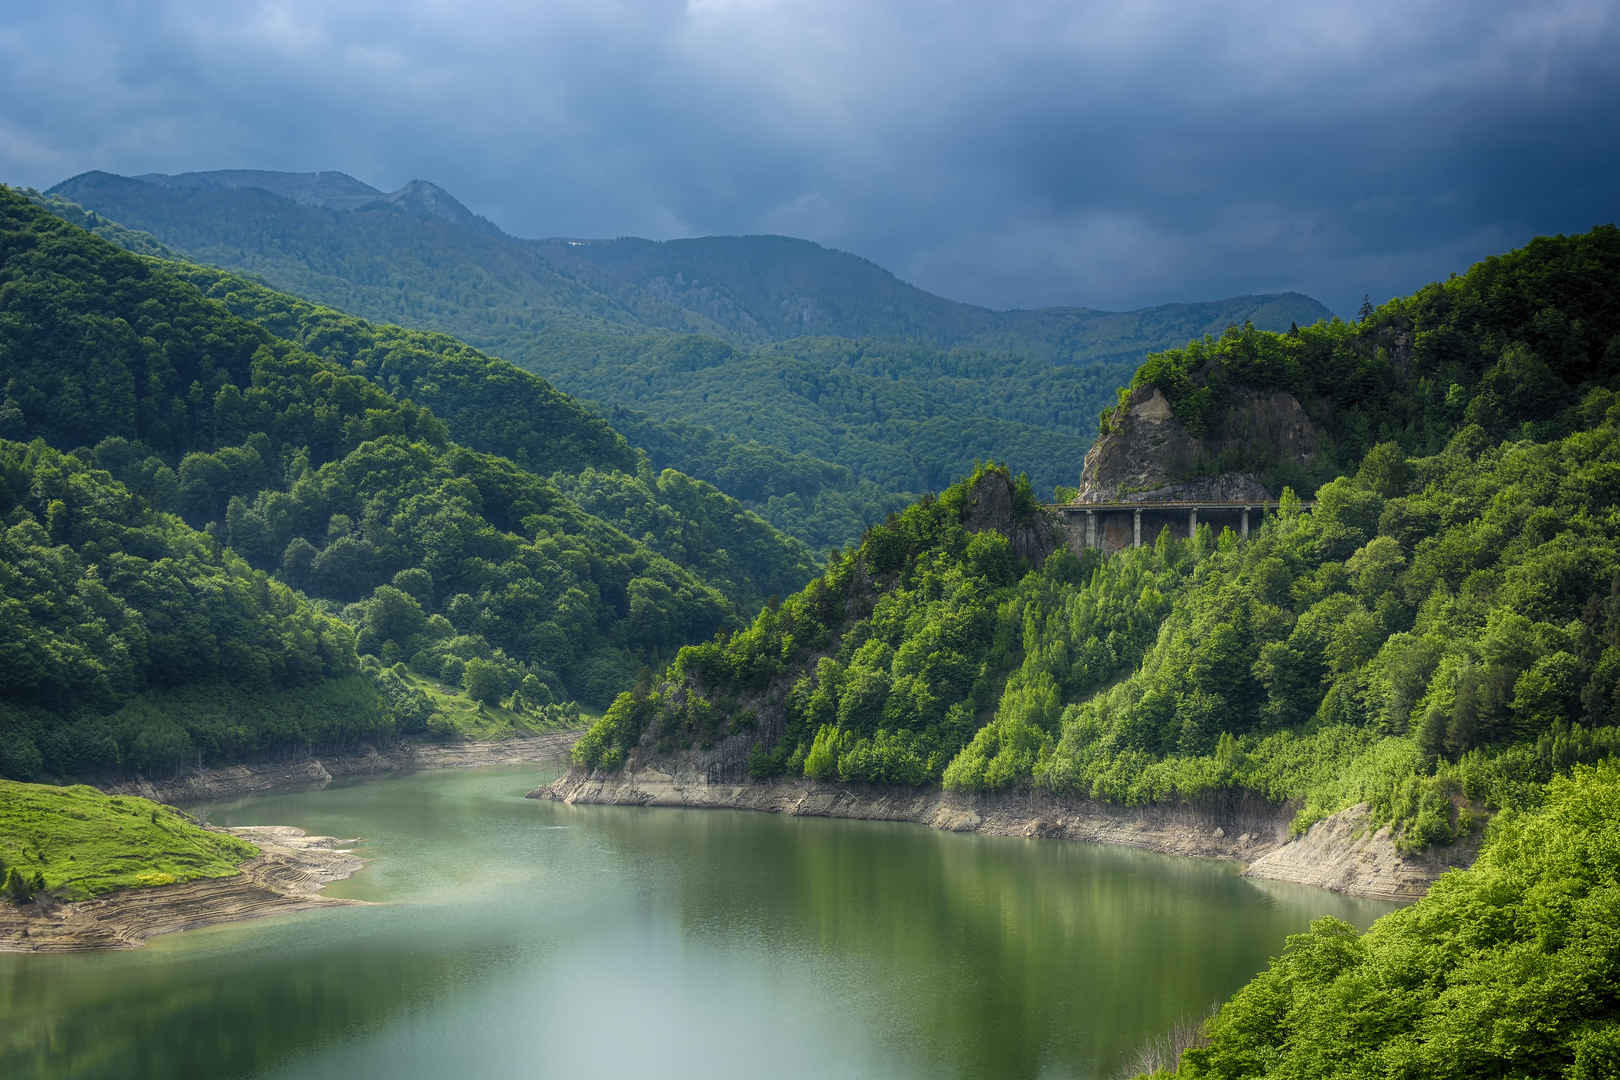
(454, 712)
(86, 843)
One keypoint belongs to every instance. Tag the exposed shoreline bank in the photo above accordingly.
(1341, 853)
(227, 781)
(290, 870)
(287, 875)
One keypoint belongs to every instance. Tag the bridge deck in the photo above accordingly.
(1258, 504)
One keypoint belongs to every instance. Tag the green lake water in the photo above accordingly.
(523, 938)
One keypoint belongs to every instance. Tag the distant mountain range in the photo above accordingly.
(303, 230)
(809, 382)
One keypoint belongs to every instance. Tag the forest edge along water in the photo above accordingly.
(1342, 853)
(513, 937)
(1345, 852)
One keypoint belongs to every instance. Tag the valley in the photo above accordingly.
(252, 542)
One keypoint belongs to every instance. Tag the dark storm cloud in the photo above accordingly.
(1017, 154)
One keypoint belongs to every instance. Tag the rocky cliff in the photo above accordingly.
(1148, 455)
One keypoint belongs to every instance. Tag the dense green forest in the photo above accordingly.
(496, 406)
(106, 601)
(724, 343)
(490, 405)
(1508, 968)
(430, 262)
(902, 416)
(298, 471)
(1506, 348)
(1438, 636)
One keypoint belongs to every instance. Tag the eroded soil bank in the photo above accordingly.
(225, 782)
(1342, 853)
(287, 875)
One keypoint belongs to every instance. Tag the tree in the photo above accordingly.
(484, 681)
(1365, 312)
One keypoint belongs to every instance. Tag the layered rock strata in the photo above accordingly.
(1342, 853)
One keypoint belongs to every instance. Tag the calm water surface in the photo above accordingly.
(519, 938)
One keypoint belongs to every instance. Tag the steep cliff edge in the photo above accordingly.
(1146, 454)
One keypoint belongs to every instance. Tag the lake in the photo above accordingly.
(523, 938)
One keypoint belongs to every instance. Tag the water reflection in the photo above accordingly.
(518, 938)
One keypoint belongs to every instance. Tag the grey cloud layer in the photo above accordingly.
(1111, 155)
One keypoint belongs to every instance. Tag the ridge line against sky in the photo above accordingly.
(1030, 154)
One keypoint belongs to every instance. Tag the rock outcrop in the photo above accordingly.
(1340, 853)
(1149, 455)
(990, 506)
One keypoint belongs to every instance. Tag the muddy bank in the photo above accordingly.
(287, 875)
(1340, 853)
(200, 785)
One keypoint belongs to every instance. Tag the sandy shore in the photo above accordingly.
(1342, 853)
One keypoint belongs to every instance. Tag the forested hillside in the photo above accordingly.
(1508, 968)
(455, 561)
(765, 340)
(313, 233)
(1438, 637)
(1505, 348)
(491, 405)
(104, 600)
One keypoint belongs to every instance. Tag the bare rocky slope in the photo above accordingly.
(1148, 455)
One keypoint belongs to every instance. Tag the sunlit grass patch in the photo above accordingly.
(82, 843)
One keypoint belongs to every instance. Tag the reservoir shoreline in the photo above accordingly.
(287, 875)
(1342, 853)
(291, 868)
(227, 781)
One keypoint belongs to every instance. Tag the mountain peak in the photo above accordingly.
(427, 199)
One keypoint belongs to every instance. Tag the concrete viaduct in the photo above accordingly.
(1115, 525)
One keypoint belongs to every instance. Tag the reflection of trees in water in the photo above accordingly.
(1000, 955)
(966, 955)
(232, 1014)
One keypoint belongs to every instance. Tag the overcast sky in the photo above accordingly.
(1012, 154)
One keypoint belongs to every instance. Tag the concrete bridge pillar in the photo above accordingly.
(1192, 522)
(1091, 528)
(1136, 529)
(1245, 523)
